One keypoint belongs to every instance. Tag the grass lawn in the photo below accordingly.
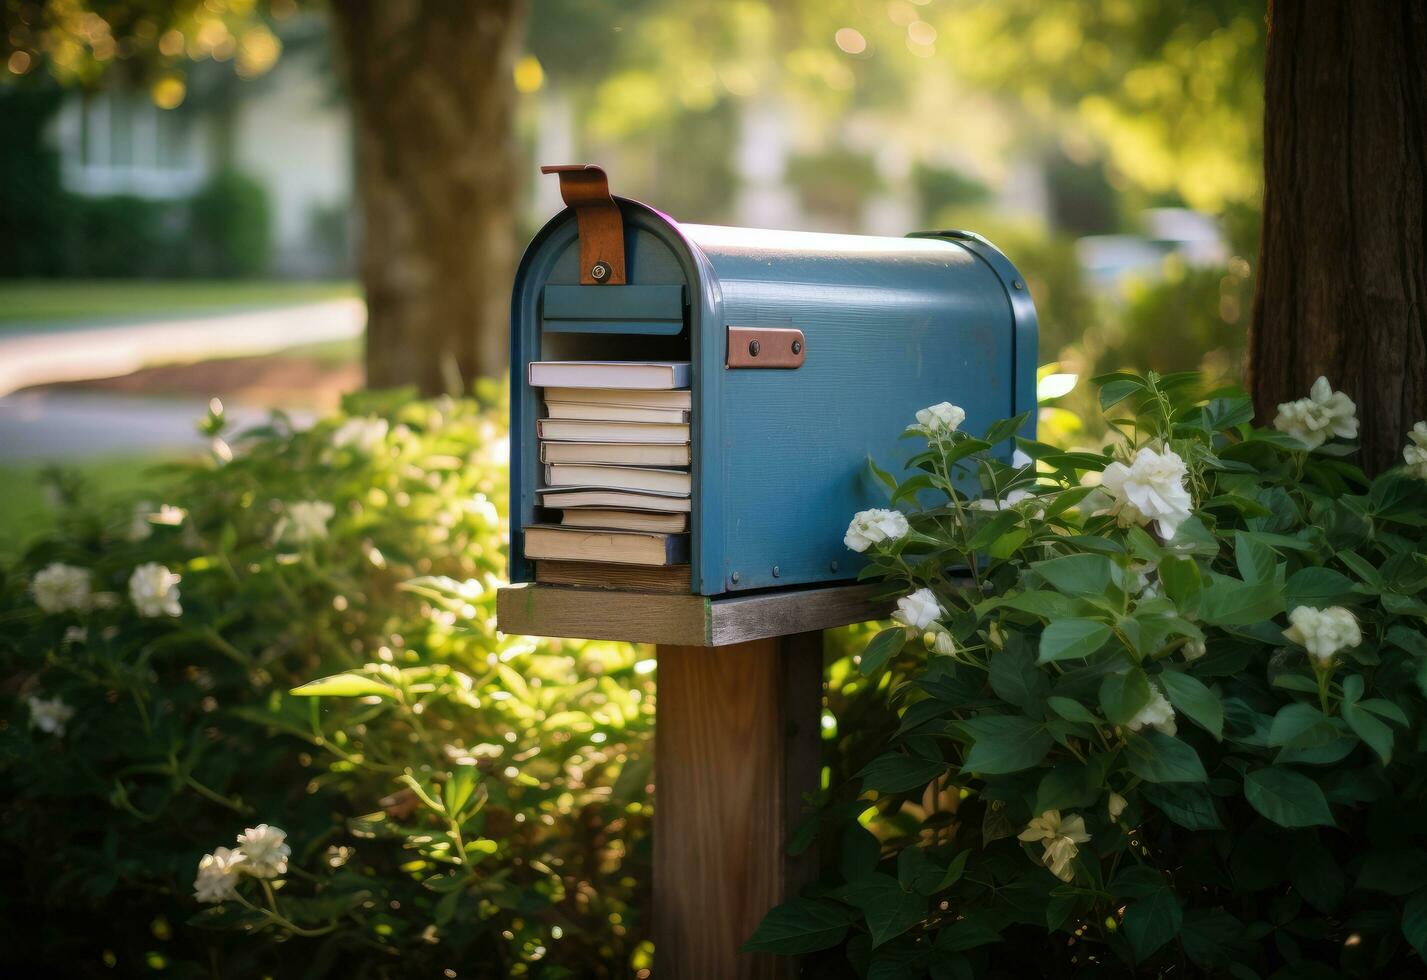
(25, 510)
(44, 301)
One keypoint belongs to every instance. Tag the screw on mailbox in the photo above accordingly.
(733, 578)
(753, 348)
(776, 573)
(797, 347)
(599, 272)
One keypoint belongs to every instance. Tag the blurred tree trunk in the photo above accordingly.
(1342, 284)
(433, 99)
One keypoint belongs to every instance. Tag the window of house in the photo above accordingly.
(119, 142)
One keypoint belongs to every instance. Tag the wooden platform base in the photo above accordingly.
(737, 749)
(681, 620)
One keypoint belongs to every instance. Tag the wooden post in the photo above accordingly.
(737, 746)
(736, 750)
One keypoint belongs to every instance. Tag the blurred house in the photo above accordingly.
(237, 177)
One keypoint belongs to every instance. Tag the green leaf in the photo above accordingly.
(1072, 710)
(804, 925)
(881, 649)
(993, 529)
(1072, 785)
(963, 934)
(1151, 922)
(1318, 588)
(1369, 729)
(897, 772)
(1399, 871)
(1078, 575)
(1116, 388)
(1255, 560)
(1067, 639)
(1195, 701)
(1182, 583)
(1315, 874)
(1414, 922)
(1288, 798)
(344, 686)
(917, 872)
(1400, 498)
(1037, 602)
(888, 910)
(1187, 804)
(1004, 744)
(1016, 680)
(1159, 758)
(1301, 726)
(883, 477)
(1123, 695)
(1410, 640)
(1230, 602)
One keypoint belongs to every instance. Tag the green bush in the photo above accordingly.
(1161, 712)
(450, 797)
(231, 227)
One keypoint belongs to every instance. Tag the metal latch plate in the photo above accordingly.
(766, 347)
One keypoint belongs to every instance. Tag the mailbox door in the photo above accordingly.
(652, 317)
(890, 326)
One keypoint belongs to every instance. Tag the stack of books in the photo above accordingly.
(614, 449)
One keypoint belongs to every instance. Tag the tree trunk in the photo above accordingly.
(1342, 285)
(433, 98)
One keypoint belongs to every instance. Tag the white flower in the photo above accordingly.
(1193, 650)
(1323, 632)
(941, 643)
(49, 715)
(1159, 713)
(217, 879)
(1324, 413)
(1010, 500)
(918, 610)
(940, 420)
(1060, 838)
(363, 433)
(145, 517)
(309, 519)
(154, 590)
(871, 527)
(265, 851)
(1116, 806)
(58, 587)
(1151, 488)
(1414, 454)
(76, 634)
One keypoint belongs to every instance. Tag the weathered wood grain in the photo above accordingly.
(736, 748)
(533, 609)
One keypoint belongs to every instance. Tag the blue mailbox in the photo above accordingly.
(807, 354)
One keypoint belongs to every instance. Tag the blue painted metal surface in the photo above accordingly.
(892, 325)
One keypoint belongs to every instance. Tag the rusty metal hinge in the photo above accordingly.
(585, 188)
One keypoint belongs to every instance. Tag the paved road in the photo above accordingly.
(67, 425)
(64, 425)
(37, 357)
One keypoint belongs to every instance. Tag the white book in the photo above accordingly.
(610, 374)
(616, 453)
(619, 547)
(632, 398)
(615, 500)
(618, 478)
(613, 413)
(584, 430)
(632, 520)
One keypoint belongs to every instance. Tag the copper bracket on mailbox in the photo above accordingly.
(765, 347)
(586, 189)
